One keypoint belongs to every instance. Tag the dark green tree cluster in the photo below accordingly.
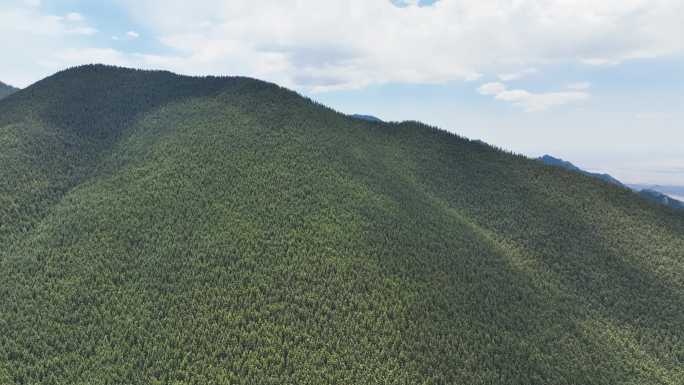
(160, 229)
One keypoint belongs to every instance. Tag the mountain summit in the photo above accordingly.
(159, 229)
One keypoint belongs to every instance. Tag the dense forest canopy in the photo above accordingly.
(161, 229)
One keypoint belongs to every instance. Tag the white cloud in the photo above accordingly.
(473, 77)
(76, 24)
(130, 35)
(599, 61)
(579, 86)
(517, 75)
(323, 45)
(74, 16)
(652, 116)
(34, 39)
(532, 102)
(492, 88)
(529, 101)
(376, 41)
(82, 31)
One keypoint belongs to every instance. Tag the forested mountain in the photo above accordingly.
(161, 229)
(6, 90)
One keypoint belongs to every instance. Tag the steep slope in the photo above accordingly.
(6, 90)
(166, 229)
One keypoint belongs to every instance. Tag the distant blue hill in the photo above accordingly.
(676, 192)
(6, 90)
(658, 197)
(648, 193)
(369, 118)
(550, 160)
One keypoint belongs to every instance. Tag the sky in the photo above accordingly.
(598, 83)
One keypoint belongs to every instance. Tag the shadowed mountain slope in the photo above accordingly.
(156, 228)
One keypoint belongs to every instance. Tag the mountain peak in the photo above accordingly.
(553, 161)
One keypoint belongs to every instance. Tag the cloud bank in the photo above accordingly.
(319, 45)
(529, 101)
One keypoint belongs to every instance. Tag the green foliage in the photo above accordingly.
(158, 229)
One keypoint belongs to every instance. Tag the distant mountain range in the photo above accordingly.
(550, 160)
(676, 192)
(6, 90)
(659, 197)
(369, 118)
(654, 193)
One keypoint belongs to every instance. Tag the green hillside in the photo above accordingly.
(6, 90)
(159, 229)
